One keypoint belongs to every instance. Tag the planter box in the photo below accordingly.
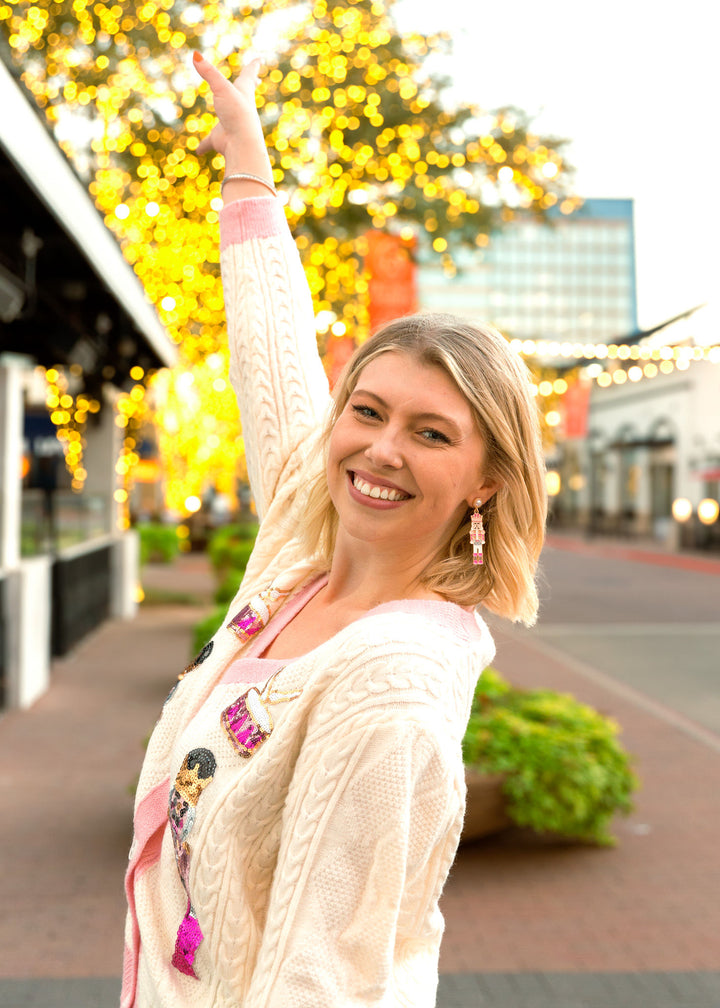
(485, 813)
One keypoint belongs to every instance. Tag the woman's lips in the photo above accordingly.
(371, 489)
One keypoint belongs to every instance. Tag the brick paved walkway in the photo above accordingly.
(530, 923)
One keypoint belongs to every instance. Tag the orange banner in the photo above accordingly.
(574, 408)
(392, 285)
(338, 352)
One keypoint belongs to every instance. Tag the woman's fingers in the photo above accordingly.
(249, 73)
(237, 134)
(209, 143)
(234, 102)
(209, 72)
(246, 79)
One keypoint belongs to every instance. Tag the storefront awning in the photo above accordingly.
(67, 294)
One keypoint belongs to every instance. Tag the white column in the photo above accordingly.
(11, 448)
(102, 448)
(29, 631)
(125, 575)
(644, 492)
(612, 486)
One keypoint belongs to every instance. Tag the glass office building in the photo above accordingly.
(570, 278)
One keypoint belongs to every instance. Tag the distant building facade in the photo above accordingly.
(570, 278)
(650, 443)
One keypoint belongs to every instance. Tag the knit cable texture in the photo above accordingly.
(266, 292)
(316, 864)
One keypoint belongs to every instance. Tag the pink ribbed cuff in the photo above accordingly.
(253, 217)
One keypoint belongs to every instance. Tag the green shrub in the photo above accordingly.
(229, 550)
(158, 543)
(206, 628)
(230, 547)
(225, 592)
(238, 554)
(565, 771)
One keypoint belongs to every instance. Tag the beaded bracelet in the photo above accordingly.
(248, 177)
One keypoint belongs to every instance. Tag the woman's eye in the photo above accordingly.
(365, 411)
(434, 435)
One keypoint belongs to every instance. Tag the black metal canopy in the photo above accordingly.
(67, 295)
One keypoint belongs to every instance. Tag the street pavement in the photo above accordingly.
(530, 922)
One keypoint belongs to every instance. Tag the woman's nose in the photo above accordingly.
(385, 450)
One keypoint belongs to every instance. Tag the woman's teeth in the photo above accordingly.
(379, 493)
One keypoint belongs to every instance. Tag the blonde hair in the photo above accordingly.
(496, 384)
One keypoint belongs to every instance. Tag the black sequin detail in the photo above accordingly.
(198, 660)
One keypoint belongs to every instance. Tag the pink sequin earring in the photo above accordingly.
(477, 532)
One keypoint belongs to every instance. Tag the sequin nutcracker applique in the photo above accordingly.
(196, 772)
(248, 722)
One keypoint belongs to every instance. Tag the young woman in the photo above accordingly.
(303, 792)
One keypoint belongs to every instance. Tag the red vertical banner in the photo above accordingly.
(338, 352)
(574, 408)
(392, 288)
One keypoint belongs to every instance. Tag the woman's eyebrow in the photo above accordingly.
(435, 417)
(374, 395)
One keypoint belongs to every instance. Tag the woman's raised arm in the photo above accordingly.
(274, 364)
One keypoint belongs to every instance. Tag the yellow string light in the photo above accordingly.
(68, 413)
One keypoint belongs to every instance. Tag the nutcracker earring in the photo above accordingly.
(477, 532)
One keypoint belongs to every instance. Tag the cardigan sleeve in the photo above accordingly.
(370, 828)
(275, 368)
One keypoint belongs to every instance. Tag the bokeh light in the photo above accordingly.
(708, 510)
(681, 509)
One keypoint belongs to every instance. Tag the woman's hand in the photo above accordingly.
(238, 134)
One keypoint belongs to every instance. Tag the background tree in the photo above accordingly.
(361, 136)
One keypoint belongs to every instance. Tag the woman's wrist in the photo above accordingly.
(247, 170)
(239, 185)
(248, 153)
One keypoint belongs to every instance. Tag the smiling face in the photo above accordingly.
(406, 458)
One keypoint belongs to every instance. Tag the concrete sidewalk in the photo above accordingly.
(529, 922)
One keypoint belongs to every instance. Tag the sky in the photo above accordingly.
(634, 86)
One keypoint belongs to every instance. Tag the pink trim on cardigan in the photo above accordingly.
(253, 217)
(460, 621)
(150, 822)
(251, 668)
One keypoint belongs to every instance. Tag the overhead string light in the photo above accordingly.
(647, 362)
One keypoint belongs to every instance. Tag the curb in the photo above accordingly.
(614, 549)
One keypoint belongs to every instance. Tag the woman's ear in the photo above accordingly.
(483, 493)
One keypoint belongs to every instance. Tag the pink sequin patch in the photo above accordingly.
(187, 943)
(246, 624)
(241, 728)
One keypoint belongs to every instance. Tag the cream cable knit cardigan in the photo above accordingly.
(315, 865)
